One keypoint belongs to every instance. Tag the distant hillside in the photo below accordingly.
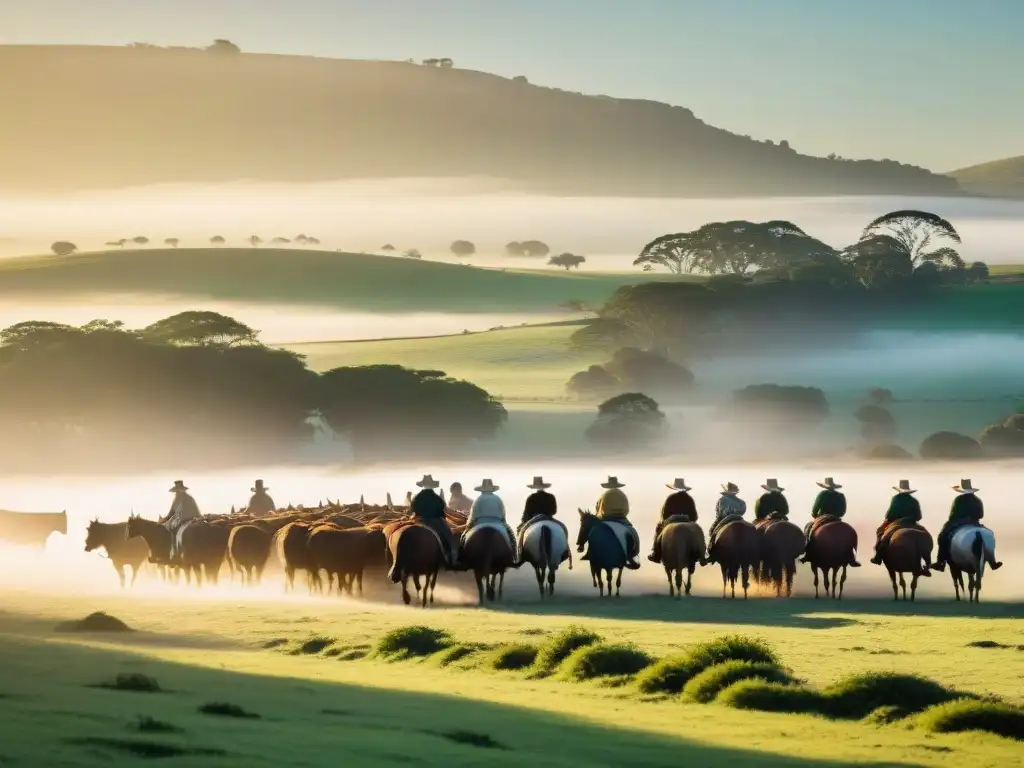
(1000, 178)
(354, 281)
(88, 117)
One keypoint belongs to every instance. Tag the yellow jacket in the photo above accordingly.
(612, 505)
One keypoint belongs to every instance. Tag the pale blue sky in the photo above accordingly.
(939, 83)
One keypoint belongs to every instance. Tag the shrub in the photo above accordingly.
(950, 445)
(512, 657)
(604, 660)
(226, 709)
(133, 681)
(774, 403)
(630, 419)
(641, 371)
(410, 642)
(670, 675)
(455, 653)
(773, 697)
(858, 696)
(886, 715)
(1005, 439)
(593, 383)
(558, 648)
(705, 686)
(888, 452)
(315, 645)
(972, 715)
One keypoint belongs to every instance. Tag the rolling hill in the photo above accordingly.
(1000, 178)
(95, 117)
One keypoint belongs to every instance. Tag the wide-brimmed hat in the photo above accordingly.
(679, 485)
(428, 481)
(613, 482)
(730, 489)
(258, 486)
(539, 484)
(486, 486)
(830, 484)
(771, 484)
(904, 487)
(965, 487)
(179, 485)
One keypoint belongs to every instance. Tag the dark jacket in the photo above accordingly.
(829, 502)
(679, 503)
(539, 504)
(967, 506)
(771, 504)
(427, 505)
(903, 507)
(260, 504)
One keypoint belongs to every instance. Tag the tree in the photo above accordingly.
(312, 240)
(639, 370)
(223, 46)
(412, 253)
(140, 240)
(876, 423)
(534, 249)
(301, 240)
(445, 63)
(879, 396)
(217, 241)
(628, 420)
(978, 272)
(520, 80)
(779, 404)
(255, 240)
(949, 446)
(198, 328)
(63, 248)
(662, 316)
(463, 248)
(1004, 439)
(172, 242)
(566, 260)
(515, 248)
(916, 232)
(593, 383)
(677, 253)
(117, 243)
(431, 62)
(280, 241)
(387, 248)
(879, 262)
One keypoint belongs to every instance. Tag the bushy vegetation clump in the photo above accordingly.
(704, 687)
(412, 642)
(604, 660)
(973, 715)
(513, 657)
(671, 674)
(558, 648)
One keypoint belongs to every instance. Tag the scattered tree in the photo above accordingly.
(312, 240)
(950, 446)
(521, 80)
(775, 403)
(301, 239)
(535, 249)
(566, 260)
(172, 242)
(223, 46)
(640, 370)
(463, 248)
(594, 383)
(445, 63)
(63, 248)
(876, 423)
(280, 241)
(412, 253)
(117, 243)
(628, 420)
(255, 240)
(217, 241)
(915, 232)
(515, 248)
(978, 272)
(1004, 439)
(141, 240)
(387, 248)
(196, 328)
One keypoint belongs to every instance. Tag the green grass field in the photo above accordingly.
(357, 282)
(319, 709)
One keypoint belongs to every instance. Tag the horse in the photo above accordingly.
(545, 545)
(121, 550)
(156, 536)
(345, 553)
(833, 548)
(415, 551)
(204, 547)
(31, 528)
(909, 551)
(737, 549)
(682, 547)
(291, 543)
(971, 548)
(782, 543)
(488, 552)
(606, 553)
(248, 551)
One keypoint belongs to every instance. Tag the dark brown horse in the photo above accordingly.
(157, 538)
(909, 551)
(292, 545)
(121, 550)
(781, 544)
(682, 547)
(204, 547)
(415, 551)
(488, 553)
(346, 553)
(737, 549)
(833, 548)
(248, 551)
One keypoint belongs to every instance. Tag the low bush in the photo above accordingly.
(412, 642)
(227, 709)
(705, 686)
(513, 657)
(973, 715)
(858, 696)
(886, 715)
(773, 697)
(314, 645)
(604, 660)
(558, 648)
(671, 674)
(132, 681)
(455, 653)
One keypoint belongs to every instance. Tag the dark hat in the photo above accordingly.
(258, 486)
(179, 485)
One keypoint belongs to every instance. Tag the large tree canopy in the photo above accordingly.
(916, 232)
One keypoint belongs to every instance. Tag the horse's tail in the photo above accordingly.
(978, 551)
(546, 556)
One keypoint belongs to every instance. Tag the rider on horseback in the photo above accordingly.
(614, 506)
(183, 509)
(260, 503)
(459, 501)
(967, 509)
(679, 504)
(904, 511)
(771, 505)
(829, 503)
(428, 508)
(729, 506)
(539, 504)
(488, 507)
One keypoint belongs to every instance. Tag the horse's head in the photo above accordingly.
(92, 535)
(587, 521)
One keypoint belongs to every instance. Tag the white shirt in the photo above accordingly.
(487, 507)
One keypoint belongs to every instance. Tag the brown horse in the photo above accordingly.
(737, 549)
(909, 551)
(121, 550)
(682, 547)
(248, 551)
(833, 548)
(488, 553)
(781, 544)
(204, 547)
(292, 545)
(415, 551)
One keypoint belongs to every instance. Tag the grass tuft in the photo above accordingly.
(135, 682)
(143, 749)
(95, 622)
(705, 686)
(226, 709)
(886, 715)
(456, 653)
(412, 642)
(473, 739)
(671, 674)
(858, 696)
(558, 648)
(973, 715)
(513, 657)
(773, 697)
(147, 724)
(604, 660)
(315, 645)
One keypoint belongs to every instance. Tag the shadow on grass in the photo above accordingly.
(306, 722)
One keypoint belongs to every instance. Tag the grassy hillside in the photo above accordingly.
(319, 278)
(1000, 178)
(313, 706)
(190, 116)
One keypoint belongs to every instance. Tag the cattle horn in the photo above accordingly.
(389, 504)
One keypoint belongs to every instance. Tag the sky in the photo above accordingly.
(938, 83)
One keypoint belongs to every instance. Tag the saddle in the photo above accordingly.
(888, 529)
(822, 520)
(398, 526)
(495, 525)
(726, 522)
(627, 536)
(763, 525)
(677, 519)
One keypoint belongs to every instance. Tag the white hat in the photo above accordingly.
(679, 485)
(539, 484)
(428, 481)
(830, 484)
(904, 487)
(486, 486)
(771, 484)
(613, 482)
(965, 487)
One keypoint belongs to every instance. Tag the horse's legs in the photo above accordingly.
(892, 578)
(903, 585)
(406, 597)
(842, 582)
(359, 577)
(489, 580)
(501, 585)
(551, 581)
(416, 583)
(814, 570)
(689, 579)
(668, 575)
(539, 572)
(954, 574)
(135, 574)
(598, 579)
(479, 577)
(120, 574)
(913, 585)
(618, 583)
(790, 573)
(289, 578)
(725, 578)
(746, 580)
(433, 585)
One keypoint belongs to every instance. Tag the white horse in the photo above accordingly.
(545, 546)
(971, 548)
